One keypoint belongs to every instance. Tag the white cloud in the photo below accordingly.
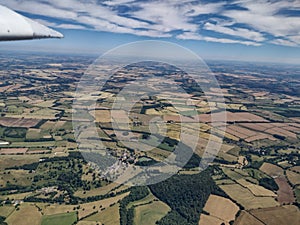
(283, 42)
(263, 16)
(195, 36)
(164, 18)
(240, 32)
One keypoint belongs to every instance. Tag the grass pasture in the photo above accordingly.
(96, 191)
(7, 161)
(149, 214)
(60, 219)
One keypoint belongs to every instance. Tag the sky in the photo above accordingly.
(251, 30)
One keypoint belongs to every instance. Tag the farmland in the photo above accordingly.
(220, 208)
(254, 178)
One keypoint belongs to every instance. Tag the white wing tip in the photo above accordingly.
(41, 31)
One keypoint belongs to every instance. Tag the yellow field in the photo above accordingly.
(288, 214)
(82, 222)
(221, 208)
(271, 170)
(5, 211)
(16, 196)
(109, 216)
(103, 116)
(27, 215)
(244, 197)
(296, 169)
(17, 160)
(18, 177)
(256, 189)
(247, 219)
(293, 177)
(85, 209)
(210, 220)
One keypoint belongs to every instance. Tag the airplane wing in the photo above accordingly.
(14, 26)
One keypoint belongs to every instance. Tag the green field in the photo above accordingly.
(60, 219)
(149, 214)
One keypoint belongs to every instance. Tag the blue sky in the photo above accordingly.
(255, 30)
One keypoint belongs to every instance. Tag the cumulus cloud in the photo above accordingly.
(245, 22)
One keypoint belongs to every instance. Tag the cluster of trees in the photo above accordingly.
(15, 132)
(127, 215)
(2, 220)
(268, 183)
(186, 195)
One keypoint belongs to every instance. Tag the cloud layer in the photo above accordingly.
(245, 22)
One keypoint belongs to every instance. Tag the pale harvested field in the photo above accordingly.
(256, 190)
(246, 132)
(210, 220)
(13, 151)
(288, 214)
(119, 114)
(33, 133)
(260, 137)
(82, 222)
(293, 177)
(236, 133)
(3, 89)
(244, 197)
(232, 117)
(25, 216)
(50, 125)
(17, 160)
(296, 169)
(5, 210)
(271, 169)
(282, 132)
(297, 124)
(247, 219)
(103, 116)
(179, 119)
(292, 128)
(105, 203)
(257, 126)
(20, 196)
(221, 208)
(21, 122)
